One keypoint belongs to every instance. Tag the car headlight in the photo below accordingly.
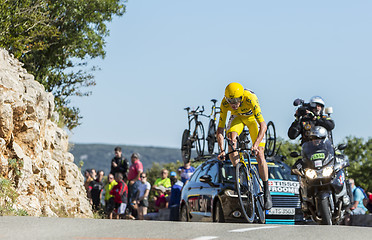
(310, 173)
(327, 171)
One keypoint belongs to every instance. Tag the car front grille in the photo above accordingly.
(286, 201)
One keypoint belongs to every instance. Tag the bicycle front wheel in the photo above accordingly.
(244, 187)
(211, 138)
(199, 139)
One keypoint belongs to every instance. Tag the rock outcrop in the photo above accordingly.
(49, 183)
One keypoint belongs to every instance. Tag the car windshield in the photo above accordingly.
(276, 171)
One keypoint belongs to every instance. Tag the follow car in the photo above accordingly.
(210, 194)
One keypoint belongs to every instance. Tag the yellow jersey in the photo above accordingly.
(249, 108)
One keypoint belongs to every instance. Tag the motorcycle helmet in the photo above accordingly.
(317, 100)
(318, 132)
(234, 93)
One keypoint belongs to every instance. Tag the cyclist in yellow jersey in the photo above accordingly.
(245, 111)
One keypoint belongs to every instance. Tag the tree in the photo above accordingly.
(285, 147)
(359, 153)
(55, 39)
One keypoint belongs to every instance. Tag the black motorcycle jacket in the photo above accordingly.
(303, 125)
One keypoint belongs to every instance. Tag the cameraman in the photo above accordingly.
(308, 116)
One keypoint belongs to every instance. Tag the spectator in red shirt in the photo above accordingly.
(120, 193)
(134, 174)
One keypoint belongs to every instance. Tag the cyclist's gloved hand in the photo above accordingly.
(221, 156)
(255, 150)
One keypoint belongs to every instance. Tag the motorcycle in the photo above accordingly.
(324, 192)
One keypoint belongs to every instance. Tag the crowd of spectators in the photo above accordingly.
(125, 192)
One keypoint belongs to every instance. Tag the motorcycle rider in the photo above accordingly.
(308, 119)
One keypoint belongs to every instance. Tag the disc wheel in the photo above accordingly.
(259, 200)
(186, 146)
(199, 139)
(211, 138)
(270, 138)
(244, 187)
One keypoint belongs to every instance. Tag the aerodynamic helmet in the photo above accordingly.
(234, 93)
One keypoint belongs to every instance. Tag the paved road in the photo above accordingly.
(95, 229)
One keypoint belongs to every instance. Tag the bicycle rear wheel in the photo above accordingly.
(244, 187)
(270, 137)
(186, 146)
(211, 138)
(199, 139)
(259, 199)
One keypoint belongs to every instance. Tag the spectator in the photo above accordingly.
(135, 171)
(88, 179)
(163, 180)
(120, 193)
(357, 207)
(119, 163)
(142, 196)
(175, 197)
(95, 191)
(93, 173)
(185, 172)
(109, 199)
(369, 202)
(160, 204)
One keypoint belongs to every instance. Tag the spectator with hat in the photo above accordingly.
(160, 204)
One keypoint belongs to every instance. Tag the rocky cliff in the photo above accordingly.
(34, 150)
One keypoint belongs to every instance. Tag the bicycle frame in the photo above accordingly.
(193, 116)
(215, 110)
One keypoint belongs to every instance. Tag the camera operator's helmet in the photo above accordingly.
(317, 100)
(234, 93)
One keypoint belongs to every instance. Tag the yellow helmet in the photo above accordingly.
(234, 93)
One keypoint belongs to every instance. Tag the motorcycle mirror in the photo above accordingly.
(342, 146)
(294, 154)
(298, 102)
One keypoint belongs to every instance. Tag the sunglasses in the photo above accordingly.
(143, 176)
(234, 100)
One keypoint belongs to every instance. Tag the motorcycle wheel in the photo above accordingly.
(325, 212)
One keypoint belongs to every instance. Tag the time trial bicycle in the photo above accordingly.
(193, 136)
(247, 181)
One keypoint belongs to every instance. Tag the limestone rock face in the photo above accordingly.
(50, 184)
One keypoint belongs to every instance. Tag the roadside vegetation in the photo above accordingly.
(55, 39)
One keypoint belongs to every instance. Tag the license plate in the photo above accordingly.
(281, 211)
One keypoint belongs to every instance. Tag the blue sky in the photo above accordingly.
(163, 56)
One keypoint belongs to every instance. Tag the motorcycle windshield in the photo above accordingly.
(317, 152)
